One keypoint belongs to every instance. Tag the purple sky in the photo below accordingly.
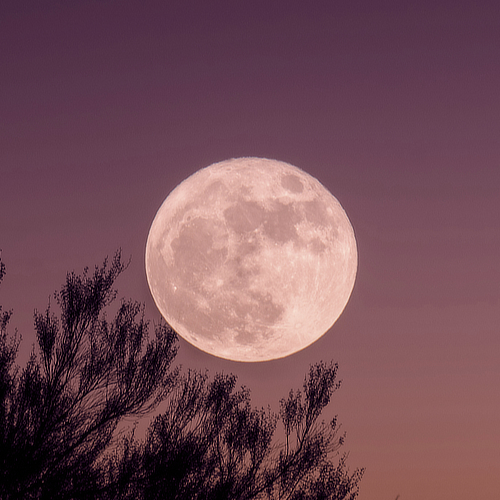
(105, 106)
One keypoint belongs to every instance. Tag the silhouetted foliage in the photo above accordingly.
(2, 267)
(59, 415)
(211, 444)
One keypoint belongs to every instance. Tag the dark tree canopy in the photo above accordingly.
(59, 415)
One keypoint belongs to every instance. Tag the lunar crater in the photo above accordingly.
(292, 183)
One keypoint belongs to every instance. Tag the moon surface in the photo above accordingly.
(251, 259)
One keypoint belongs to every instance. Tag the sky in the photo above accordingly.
(106, 106)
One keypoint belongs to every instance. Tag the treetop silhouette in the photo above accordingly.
(59, 415)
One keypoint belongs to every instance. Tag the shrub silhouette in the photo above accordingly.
(59, 415)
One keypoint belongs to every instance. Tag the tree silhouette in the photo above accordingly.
(211, 444)
(60, 414)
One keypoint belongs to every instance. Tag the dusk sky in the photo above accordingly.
(106, 106)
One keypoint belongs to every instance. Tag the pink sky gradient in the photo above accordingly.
(105, 106)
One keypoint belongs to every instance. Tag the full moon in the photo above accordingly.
(251, 259)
